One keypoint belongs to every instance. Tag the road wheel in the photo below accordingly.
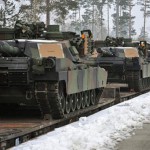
(138, 82)
(61, 98)
(79, 100)
(73, 102)
(93, 97)
(88, 98)
(68, 104)
(98, 93)
(83, 99)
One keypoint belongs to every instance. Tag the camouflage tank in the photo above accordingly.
(49, 74)
(127, 64)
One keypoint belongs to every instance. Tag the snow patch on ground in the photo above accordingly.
(101, 131)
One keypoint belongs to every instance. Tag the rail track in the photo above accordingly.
(20, 126)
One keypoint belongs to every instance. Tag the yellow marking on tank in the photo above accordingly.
(131, 52)
(53, 49)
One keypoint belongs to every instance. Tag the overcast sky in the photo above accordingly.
(138, 18)
(135, 12)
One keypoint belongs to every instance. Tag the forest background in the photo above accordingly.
(118, 18)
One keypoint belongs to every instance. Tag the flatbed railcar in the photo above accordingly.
(57, 83)
(126, 62)
(14, 131)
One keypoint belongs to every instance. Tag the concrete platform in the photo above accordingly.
(139, 141)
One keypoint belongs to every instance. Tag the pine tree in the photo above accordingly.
(9, 13)
(76, 18)
(62, 9)
(94, 17)
(145, 7)
(32, 11)
(49, 8)
(123, 19)
(143, 36)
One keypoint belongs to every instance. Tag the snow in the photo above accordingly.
(100, 131)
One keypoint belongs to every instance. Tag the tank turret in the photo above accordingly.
(48, 74)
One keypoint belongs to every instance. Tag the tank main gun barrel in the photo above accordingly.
(6, 49)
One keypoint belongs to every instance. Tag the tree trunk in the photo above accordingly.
(144, 17)
(117, 18)
(130, 7)
(93, 19)
(4, 23)
(108, 18)
(47, 13)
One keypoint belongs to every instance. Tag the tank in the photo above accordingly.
(128, 64)
(48, 74)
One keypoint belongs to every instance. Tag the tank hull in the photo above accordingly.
(115, 68)
(17, 95)
(55, 81)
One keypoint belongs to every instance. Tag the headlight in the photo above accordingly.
(49, 62)
(37, 62)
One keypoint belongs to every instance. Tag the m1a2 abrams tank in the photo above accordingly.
(127, 64)
(49, 74)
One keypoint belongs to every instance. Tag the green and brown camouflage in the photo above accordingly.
(6, 33)
(114, 42)
(53, 28)
(128, 65)
(29, 31)
(49, 74)
(6, 49)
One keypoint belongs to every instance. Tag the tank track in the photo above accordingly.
(130, 79)
(53, 97)
(47, 97)
(137, 83)
(42, 99)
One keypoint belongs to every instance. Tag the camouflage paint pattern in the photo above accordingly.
(144, 65)
(78, 77)
(131, 52)
(6, 33)
(47, 61)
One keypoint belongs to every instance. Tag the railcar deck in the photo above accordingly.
(24, 124)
